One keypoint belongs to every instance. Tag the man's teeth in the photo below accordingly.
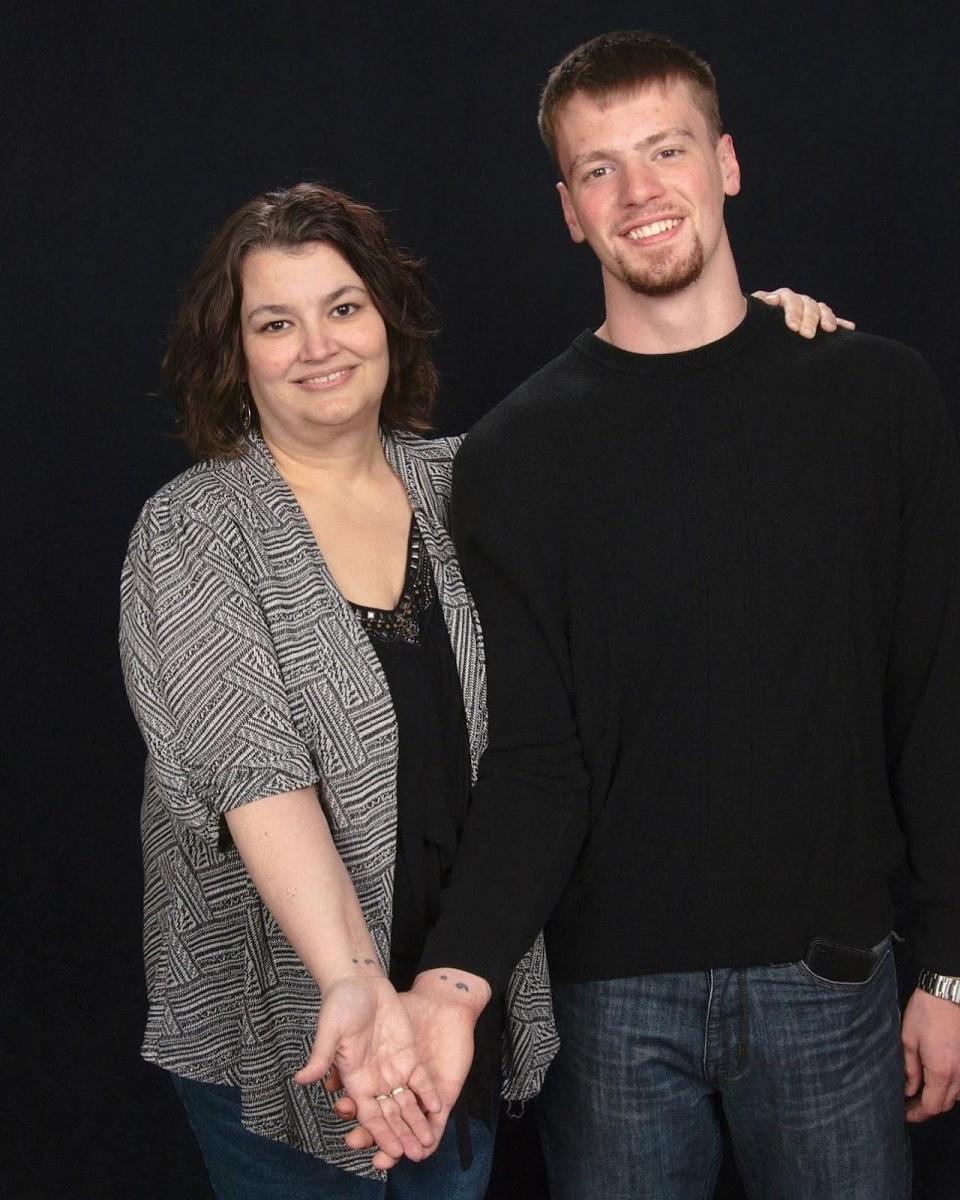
(645, 231)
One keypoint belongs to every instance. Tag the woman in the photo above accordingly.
(295, 628)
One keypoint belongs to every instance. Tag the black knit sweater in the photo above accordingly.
(721, 595)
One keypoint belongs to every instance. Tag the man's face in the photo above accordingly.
(645, 184)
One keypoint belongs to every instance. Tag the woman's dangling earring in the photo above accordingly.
(246, 415)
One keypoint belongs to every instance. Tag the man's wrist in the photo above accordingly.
(945, 987)
(451, 984)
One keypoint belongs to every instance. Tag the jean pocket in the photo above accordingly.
(829, 964)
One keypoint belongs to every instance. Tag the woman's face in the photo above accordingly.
(315, 345)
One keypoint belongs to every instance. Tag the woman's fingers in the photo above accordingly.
(802, 313)
(365, 1045)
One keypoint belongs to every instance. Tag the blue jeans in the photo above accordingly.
(244, 1166)
(808, 1074)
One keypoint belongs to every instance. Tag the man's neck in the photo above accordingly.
(703, 312)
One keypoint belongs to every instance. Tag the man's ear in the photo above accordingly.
(569, 216)
(729, 167)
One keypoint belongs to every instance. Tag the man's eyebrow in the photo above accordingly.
(665, 135)
(330, 298)
(644, 144)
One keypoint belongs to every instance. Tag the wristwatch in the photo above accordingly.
(947, 987)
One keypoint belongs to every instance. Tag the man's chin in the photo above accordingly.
(666, 282)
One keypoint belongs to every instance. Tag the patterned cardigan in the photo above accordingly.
(250, 675)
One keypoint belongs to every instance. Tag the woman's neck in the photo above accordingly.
(340, 460)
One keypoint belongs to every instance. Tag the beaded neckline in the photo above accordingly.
(403, 623)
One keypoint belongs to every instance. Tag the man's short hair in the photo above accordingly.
(624, 62)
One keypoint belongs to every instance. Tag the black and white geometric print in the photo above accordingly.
(250, 675)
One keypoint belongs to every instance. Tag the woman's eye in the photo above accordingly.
(344, 310)
(275, 326)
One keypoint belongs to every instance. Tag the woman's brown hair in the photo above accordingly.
(204, 360)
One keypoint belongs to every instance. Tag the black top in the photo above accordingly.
(720, 593)
(433, 782)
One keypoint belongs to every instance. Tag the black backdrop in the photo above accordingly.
(130, 130)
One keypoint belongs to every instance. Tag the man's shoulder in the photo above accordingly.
(532, 411)
(892, 363)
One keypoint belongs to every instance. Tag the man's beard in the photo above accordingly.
(656, 281)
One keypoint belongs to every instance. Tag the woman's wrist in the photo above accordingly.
(354, 964)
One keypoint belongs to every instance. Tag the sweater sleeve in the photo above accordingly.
(202, 675)
(528, 815)
(922, 690)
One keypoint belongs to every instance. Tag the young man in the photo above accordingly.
(718, 571)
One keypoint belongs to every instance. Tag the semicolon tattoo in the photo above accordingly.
(462, 986)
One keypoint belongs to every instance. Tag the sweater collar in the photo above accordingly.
(627, 362)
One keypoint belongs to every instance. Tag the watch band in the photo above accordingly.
(947, 987)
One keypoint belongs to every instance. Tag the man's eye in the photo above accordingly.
(670, 152)
(597, 173)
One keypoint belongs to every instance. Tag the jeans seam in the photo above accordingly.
(706, 1025)
(710, 1183)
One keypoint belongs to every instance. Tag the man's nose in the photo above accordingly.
(639, 183)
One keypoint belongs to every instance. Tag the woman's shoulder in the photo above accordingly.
(432, 449)
(426, 466)
(196, 508)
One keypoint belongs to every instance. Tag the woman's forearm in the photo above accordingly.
(286, 846)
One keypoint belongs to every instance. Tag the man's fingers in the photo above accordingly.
(332, 1081)
(414, 1117)
(400, 1138)
(359, 1139)
(931, 1102)
(438, 1123)
(372, 1118)
(912, 1071)
(846, 324)
(421, 1083)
